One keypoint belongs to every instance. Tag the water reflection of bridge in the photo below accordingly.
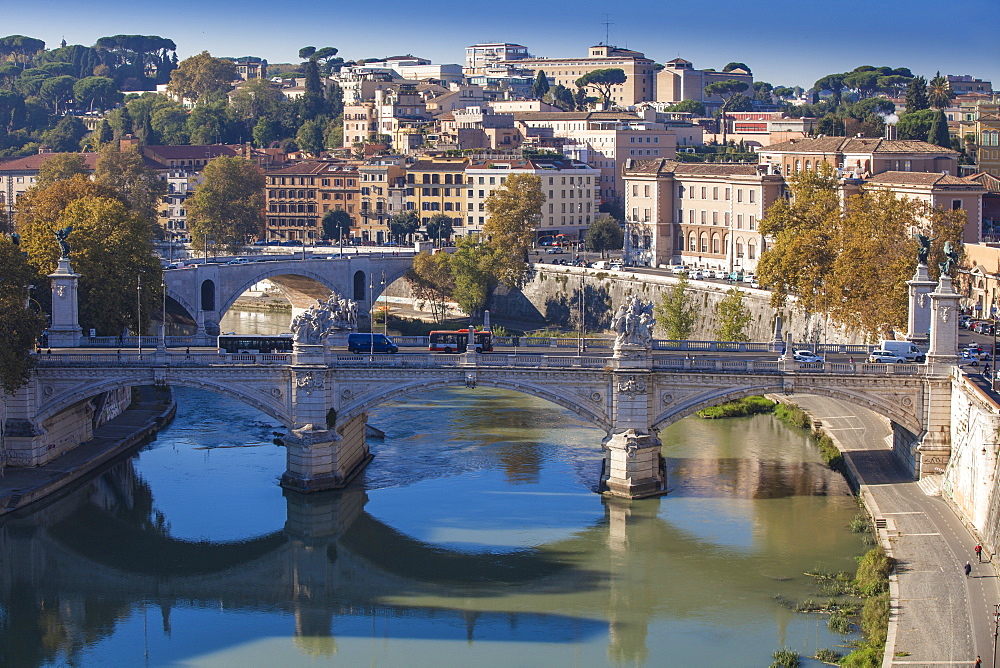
(333, 559)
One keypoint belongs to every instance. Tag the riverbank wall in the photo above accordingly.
(551, 296)
(151, 409)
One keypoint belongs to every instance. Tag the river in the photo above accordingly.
(473, 538)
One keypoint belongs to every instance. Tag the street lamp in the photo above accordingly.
(163, 317)
(996, 631)
(138, 311)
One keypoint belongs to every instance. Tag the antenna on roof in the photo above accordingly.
(607, 28)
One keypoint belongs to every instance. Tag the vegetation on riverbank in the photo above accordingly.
(872, 581)
(794, 416)
(739, 408)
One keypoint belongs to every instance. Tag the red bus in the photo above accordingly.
(457, 341)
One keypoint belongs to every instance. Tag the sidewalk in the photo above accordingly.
(148, 414)
(939, 616)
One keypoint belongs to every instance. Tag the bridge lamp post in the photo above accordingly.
(996, 631)
(163, 316)
(138, 311)
(993, 356)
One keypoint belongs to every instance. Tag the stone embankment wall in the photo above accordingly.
(552, 296)
(970, 479)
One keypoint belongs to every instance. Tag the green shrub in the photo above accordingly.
(784, 658)
(739, 408)
(875, 619)
(872, 577)
(792, 415)
(827, 655)
(839, 622)
(831, 455)
(866, 657)
(859, 523)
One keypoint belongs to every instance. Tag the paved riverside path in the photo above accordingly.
(941, 617)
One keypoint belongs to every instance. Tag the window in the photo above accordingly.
(956, 204)
(645, 190)
(692, 242)
(751, 223)
(753, 196)
(635, 190)
(739, 194)
(703, 193)
(704, 242)
(715, 193)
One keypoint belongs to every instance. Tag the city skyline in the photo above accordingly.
(764, 41)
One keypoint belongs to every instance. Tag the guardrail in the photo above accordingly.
(766, 366)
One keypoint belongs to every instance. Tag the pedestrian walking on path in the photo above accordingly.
(968, 569)
(979, 553)
(979, 663)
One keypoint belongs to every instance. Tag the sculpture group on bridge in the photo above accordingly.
(336, 314)
(633, 323)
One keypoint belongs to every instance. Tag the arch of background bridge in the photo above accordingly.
(715, 396)
(594, 414)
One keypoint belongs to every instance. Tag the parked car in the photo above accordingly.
(884, 357)
(678, 269)
(804, 356)
(697, 275)
(239, 260)
(966, 358)
(755, 284)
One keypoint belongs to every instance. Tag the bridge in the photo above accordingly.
(322, 395)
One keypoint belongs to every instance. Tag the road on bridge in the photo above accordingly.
(943, 617)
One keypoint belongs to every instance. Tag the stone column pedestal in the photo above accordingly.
(944, 300)
(918, 323)
(308, 354)
(632, 465)
(64, 330)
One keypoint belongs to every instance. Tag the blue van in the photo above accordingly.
(369, 343)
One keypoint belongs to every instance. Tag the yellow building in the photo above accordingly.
(981, 122)
(436, 185)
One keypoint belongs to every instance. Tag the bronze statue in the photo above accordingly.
(63, 244)
(951, 259)
(923, 248)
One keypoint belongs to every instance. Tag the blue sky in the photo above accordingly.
(785, 42)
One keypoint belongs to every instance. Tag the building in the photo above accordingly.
(678, 80)
(602, 139)
(383, 194)
(395, 116)
(250, 67)
(939, 191)
(862, 156)
(478, 127)
(19, 174)
(763, 128)
(639, 83)
(437, 185)
(480, 57)
(298, 196)
(981, 119)
(571, 189)
(966, 83)
(702, 215)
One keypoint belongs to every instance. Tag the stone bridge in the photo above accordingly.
(322, 396)
(206, 291)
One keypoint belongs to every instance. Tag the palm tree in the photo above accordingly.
(939, 92)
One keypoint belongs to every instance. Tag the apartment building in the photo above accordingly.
(298, 196)
(479, 127)
(481, 57)
(639, 71)
(861, 156)
(395, 114)
(19, 174)
(604, 140)
(438, 185)
(700, 214)
(571, 189)
(383, 193)
(981, 119)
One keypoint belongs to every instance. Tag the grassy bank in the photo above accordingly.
(872, 582)
(794, 416)
(739, 408)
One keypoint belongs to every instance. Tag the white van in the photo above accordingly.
(904, 349)
(602, 264)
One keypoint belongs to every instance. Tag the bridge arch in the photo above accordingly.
(597, 415)
(229, 299)
(268, 404)
(899, 412)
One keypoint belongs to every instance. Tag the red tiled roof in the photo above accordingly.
(34, 162)
(932, 179)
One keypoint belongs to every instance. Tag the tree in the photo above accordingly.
(694, 107)
(736, 66)
(309, 138)
(915, 125)
(99, 92)
(19, 48)
(604, 234)
(61, 166)
(514, 210)
(336, 224)
(833, 83)
(677, 312)
(103, 134)
(850, 264)
(938, 133)
(66, 134)
(20, 324)
(403, 224)
(602, 81)
(541, 85)
(11, 109)
(306, 52)
(726, 90)
(472, 265)
(732, 317)
(939, 92)
(57, 90)
(916, 95)
(169, 122)
(439, 227)
(131, 55)
(202, 75)
(124, 172)
(312, 103)
(431, 280)
(227, 208)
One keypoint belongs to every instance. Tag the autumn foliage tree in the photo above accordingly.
(432, 280)
(515, 209)
(227, 208)
(850, 263)
(20, 324)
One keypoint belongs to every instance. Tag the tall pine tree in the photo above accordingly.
(541, 86)
(916, 95)
(938, 133)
